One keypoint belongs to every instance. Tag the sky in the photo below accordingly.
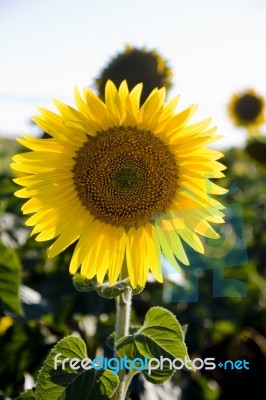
(214, 47)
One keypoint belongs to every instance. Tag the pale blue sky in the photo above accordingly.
(48, 46)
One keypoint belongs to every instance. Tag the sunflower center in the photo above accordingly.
(248, 107)
(125, 175)
(126, 179)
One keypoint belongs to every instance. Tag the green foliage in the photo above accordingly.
(67, 383)
(23, 348)
(201, 389)
(7, 148)
(29, 395)
(256, 149)
(10, 270)
(222, 329)
(160, 335)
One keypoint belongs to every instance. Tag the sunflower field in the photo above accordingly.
(100, 184)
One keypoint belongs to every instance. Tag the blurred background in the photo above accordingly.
(213, 54)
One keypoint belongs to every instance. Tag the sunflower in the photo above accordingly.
(256, 149)
(247, 109)
(136, 65)
(128, 183)
(5, 323)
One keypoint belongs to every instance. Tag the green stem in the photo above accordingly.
(128, 379)
(123, 307)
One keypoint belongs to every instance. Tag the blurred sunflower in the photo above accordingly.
(256, 149)
(136, 65)
(5, 323)
(247, 109)
(125, 182)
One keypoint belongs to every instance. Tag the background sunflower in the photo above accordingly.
(247, 109)
(136, 65)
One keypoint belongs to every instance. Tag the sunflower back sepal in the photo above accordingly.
(82, 284)
(138, 289)
(104, 290)
(110, 292)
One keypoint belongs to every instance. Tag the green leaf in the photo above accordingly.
(29, 395)
(110, 341)
(185, 328)
(10, 269)
(160, 336)
(73, 384)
